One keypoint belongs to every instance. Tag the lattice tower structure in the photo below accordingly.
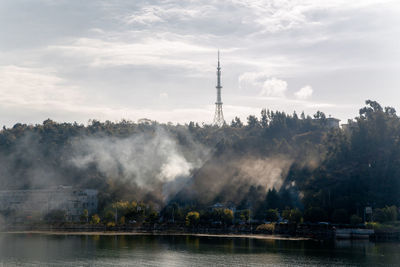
(219, 115)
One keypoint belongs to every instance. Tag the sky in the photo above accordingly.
(72, 60)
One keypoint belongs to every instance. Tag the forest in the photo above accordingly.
(270, 166)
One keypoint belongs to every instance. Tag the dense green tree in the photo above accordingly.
(95, 219)
(385, 214)
(227, 216)
(340, 216)
(85, 216)
(355, 219)
(236, 123)
(272, 215)
(330, 174)
(252, 121)
(264, 118)
(272, 199)
(292, 215)
(244, 215)
(315, 214)
(192, 218)
(152, 217)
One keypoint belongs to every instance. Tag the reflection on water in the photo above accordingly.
(149, 250)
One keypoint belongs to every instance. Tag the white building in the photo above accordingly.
(332, 122)
(40, 202)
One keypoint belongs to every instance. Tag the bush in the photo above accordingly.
(373, 225)
(110, 224)
(355, 219)
(267, 228)
(385, 214)
(379, 216)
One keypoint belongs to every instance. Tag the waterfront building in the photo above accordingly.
(40, 202)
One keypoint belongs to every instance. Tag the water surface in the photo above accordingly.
(151, 250)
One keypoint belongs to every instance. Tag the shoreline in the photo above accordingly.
(249, 236)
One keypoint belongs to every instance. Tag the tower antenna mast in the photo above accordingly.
(219, 115)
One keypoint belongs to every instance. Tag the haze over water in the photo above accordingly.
(149, 250)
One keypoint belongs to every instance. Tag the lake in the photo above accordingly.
(162, 250)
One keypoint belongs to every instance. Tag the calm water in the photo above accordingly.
(147, 250)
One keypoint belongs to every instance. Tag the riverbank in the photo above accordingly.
(281, 232)
(119, 233)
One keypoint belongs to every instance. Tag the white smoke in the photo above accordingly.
(269, 172)
(141, 158)
(175, 166)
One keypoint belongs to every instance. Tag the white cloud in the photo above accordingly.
(304, 93)
(147, 15)
(133, 51)
(274, 16)
(281, 15)
(264, 85)
(163, 95)
(274, 87)
(252, 78)
(38, 87)
(155, 51)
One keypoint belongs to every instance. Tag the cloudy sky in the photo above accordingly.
(72, 60)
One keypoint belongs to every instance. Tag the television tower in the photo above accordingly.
(219, 115)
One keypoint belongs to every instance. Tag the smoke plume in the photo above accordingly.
(146, 160)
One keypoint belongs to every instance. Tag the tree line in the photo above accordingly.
(333, 175)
